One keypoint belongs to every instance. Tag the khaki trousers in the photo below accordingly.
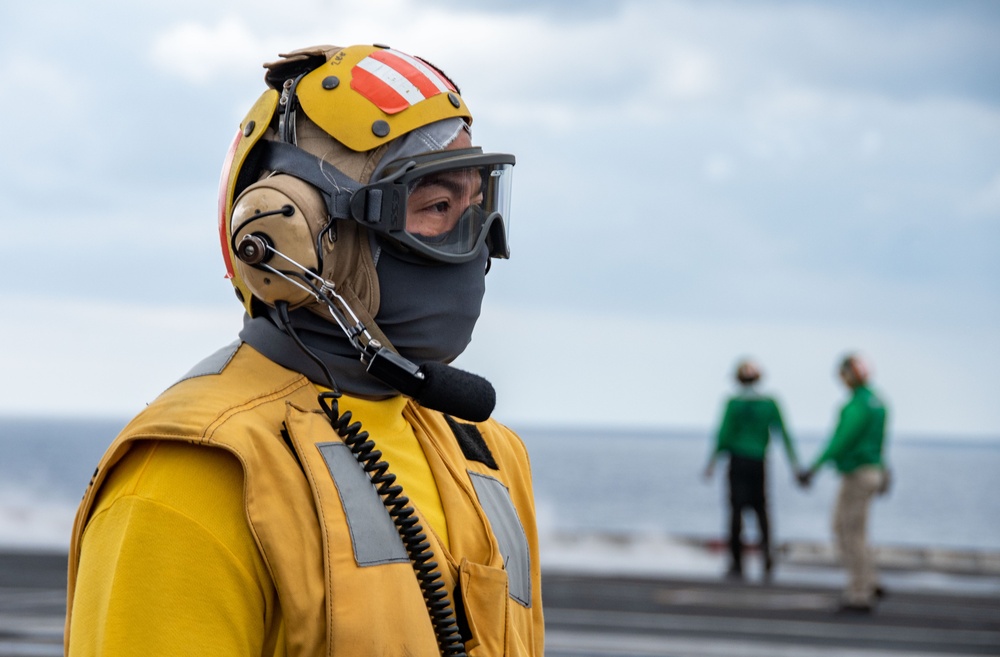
(850, 528)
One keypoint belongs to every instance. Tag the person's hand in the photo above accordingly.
(709, 471)
(805, 478)
(886, 482)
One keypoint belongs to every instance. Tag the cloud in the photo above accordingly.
(108, 358)
(608, 370)
(985, 201)
(200, 53)
(689, 169)
(682, 73)
(719, 167)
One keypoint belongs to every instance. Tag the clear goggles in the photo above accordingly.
(443, 205)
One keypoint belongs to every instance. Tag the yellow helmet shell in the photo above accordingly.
(251, 130)
(366, 96)
(363, 97)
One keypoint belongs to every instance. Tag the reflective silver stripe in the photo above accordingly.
(507, 527)
(373, 536)
(214, 364)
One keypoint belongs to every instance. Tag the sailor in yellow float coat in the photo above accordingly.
(230, 517)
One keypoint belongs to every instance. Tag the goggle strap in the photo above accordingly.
(331, 182)
(373, 206)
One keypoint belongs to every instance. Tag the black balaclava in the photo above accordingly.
(427, 311)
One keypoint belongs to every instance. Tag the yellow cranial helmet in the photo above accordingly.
(342, 107)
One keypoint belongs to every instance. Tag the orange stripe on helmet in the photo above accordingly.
(225, 183)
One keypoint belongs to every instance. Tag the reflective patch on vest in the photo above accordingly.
(373, 536)
(495, 500)
(214, 364)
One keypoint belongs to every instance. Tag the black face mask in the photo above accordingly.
(427, 311)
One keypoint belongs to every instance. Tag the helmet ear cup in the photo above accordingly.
(288, 214)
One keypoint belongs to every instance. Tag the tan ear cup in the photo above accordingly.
(288, 214)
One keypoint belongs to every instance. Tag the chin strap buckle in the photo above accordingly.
(391, 368)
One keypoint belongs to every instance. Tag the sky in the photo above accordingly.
(696, 182)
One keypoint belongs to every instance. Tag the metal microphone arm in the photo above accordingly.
(255, 249)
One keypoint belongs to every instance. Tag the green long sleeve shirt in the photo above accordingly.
(747, 425)
(860, 433)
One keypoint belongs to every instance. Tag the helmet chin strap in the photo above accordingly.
(434, 385)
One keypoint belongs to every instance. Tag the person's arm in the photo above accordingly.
(168, 565)
(153, 582)
(722, 440)
(786, 439)
(849, 428)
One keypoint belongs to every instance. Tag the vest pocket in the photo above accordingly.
(483, 588)
(509, 532)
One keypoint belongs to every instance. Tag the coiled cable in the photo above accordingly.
(402, 513)
(407, 524)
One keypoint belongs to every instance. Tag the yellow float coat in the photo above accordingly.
(238, 541)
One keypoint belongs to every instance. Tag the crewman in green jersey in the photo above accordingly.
(749, 420)
(856, 450)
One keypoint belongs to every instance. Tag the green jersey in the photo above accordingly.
(749, 420)
(860, 433)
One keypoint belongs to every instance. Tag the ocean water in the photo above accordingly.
(651, 483)
(587, 481)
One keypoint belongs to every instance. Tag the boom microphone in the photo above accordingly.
(456, 392)
(436, 385)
